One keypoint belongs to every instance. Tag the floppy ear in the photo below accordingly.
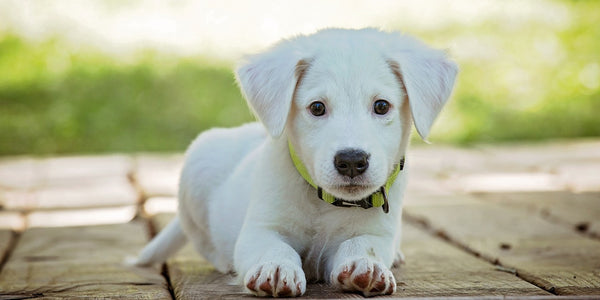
(268, 82)
(427, 76)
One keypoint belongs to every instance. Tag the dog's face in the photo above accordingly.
(345, 100)
(347, 119)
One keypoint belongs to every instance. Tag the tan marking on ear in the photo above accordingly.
(405, 108)
(301, 68)
(396, 70)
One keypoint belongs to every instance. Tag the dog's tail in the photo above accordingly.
(166, 243)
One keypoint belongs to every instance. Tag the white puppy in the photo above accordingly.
(318, 194)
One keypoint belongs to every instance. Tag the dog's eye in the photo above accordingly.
(381, 107)
(317, 108)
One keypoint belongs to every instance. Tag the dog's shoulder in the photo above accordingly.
(228, 139)
(215, 152)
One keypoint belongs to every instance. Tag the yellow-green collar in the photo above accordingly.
(376, 199)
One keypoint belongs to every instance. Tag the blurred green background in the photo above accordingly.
(518, 81)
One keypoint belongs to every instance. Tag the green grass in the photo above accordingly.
(98, 105)
(529, 82)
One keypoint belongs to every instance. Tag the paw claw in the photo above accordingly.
(251, 283)
(266, 286)
(362, 280)
(365, 276)
(272, 279)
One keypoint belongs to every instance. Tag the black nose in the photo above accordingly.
(351, 162)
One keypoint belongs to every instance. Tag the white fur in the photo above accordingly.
(243, 203)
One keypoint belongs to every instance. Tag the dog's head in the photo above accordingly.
(344, 99)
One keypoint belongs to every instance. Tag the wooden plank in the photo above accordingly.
(6, 237)
(156, 205)
(81, 217)
(581, 176)
(544, 253)
(433, 269)
(573, 164)
(542, 156)
(26, 172)
(110, 191)
(548, 166)
(506, 182)
(71, 170)
(81, 181)
(76, 262)
(19, 172)
(12, 220)
(580, 211)
(158, 175)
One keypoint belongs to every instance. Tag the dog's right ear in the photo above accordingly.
(268, 82)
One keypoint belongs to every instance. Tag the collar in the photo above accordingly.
(377, 199)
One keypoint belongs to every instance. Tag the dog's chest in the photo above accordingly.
(315, 257)
(328, 229)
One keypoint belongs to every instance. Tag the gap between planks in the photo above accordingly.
(132, 177)
(548, 255)
(152, 232)
(12, 244)
(424, 224)
(141, 195)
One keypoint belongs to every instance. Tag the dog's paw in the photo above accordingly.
(276, 280)
(399, 259)
(365, 276)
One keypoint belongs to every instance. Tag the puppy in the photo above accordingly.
(314, 190)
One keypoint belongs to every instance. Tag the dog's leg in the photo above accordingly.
(358, 266)
(269, 266)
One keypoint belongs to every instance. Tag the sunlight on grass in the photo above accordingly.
(105, 76)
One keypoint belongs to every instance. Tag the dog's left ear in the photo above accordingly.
(427, 76)
(268, 82)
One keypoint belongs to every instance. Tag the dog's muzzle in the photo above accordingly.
(377, 199)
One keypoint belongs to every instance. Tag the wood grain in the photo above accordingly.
(579, 211)
(103, 192)
(158, 175)
(436, 268)
(66, 182)
(552, 256)
(6, 237)
(433, 268)
(73, 262)
(27, 173)
(12, 220)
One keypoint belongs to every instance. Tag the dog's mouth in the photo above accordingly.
(353, 188)
(353, 191)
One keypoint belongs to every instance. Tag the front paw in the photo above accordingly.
(399, 259)
(276, 280)
(365, 276)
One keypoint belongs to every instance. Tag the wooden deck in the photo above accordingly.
(488, 222)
